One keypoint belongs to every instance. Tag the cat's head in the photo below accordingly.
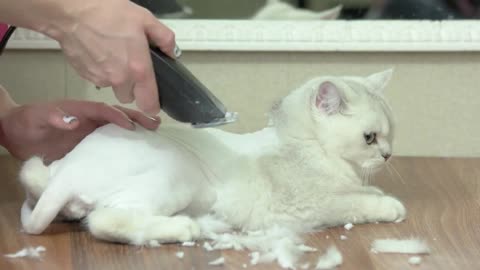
(347, 116)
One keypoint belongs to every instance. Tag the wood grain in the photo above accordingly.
(442, 196)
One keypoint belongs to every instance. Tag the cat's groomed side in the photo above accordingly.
(303, 171)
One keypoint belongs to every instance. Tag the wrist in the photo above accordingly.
(49, 17)
(54, 17)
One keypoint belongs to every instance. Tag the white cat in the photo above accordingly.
(301, 172)
(278, 10)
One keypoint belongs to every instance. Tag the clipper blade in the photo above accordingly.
(230, 117)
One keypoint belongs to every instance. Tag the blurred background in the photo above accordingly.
(350, 9)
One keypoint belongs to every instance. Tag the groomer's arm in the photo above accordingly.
(106, 41)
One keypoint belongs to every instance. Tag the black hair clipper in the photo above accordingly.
(183, 97)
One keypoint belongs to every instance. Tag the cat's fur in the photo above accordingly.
(301, 172)
(279, 10)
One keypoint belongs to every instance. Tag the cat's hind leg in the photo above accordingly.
(140, 227)
(52, 200)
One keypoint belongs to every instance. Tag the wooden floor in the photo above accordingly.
(442, 197)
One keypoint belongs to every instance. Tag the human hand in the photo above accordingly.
(108, 44)
(53, 129)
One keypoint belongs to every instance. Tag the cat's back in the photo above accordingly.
(112, 152)
(117, 144)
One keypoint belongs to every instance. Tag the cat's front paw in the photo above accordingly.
(186, 228)
(390, 209)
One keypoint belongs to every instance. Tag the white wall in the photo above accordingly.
(434, 95)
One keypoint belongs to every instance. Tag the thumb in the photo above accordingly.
(61, 120)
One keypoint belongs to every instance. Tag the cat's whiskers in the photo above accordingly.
(367, 173)
(390, 166)
(364, 176)
(389, 170)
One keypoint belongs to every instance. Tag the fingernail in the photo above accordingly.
(69, 119)
(177, 51)
(152, 118)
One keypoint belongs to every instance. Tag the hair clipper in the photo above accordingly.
(183, 97)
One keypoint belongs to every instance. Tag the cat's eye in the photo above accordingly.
(370, 138)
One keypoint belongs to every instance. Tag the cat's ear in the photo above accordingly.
(380, 80)
(328, 98)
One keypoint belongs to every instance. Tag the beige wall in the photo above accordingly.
(434, 95)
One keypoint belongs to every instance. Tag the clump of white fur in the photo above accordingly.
(218, 261)
(415, 260)
(275, 244)
(331, 259)
(409, 246)
(29, 252)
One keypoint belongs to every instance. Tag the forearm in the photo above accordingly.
(50, 17)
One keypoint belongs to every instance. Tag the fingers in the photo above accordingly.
(124, 91)
(119, 75)
(161, 36)
(59, 119)
(145, 90)
(99, 113)
(103, 113)
(147, 122)
(107, 58)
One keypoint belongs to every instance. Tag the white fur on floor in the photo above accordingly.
(29, 252)
(180, 254)
(415, 260)
(331, 259)
(409, 246)
(219, 261)
(274, 245)
(348, 226)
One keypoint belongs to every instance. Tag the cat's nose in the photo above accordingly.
(386, 156)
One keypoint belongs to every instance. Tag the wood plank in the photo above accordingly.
(442, 196)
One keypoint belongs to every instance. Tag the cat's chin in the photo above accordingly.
(372, 165)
